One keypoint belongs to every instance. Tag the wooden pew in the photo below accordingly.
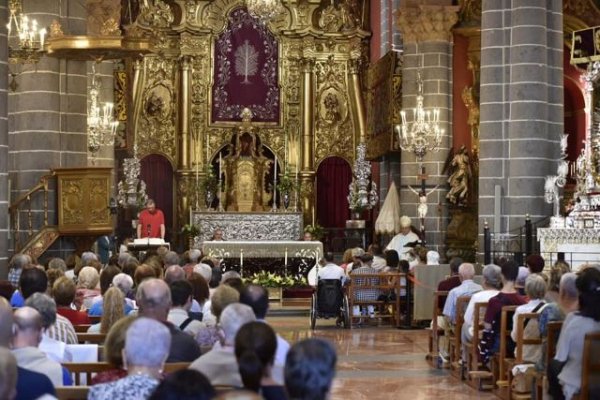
(519, 350)
(455, 341)
(382, 283)
(502, 359)
(94, 338)
(590, 369)
(473, 365)
(72, 392)
(87, 370)
(553, 328)
(81, 328)
(94, 319)
(434, 330)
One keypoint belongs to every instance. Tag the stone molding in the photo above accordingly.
(426, 23)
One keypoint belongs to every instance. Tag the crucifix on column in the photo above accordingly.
(419, 136)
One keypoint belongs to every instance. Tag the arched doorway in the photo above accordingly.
(333, 178)
(157, 172)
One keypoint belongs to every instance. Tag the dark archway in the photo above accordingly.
(157, 172)
(333, 178)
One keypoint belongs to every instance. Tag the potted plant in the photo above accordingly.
(190, 231)
(286, 186)
(317, 231)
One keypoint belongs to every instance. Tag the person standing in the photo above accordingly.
(151, 222)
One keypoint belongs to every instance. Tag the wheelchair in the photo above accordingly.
(329, 301)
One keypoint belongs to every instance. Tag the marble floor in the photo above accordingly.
(380, 362)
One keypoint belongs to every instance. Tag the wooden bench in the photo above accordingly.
(381, 284)
(520, 343)
(93, 338)
(88, 370)
(72, 392)
(553, 331)
(455, 339)
(81, 328)
(475, 373)
(590, 368)
(500, 367)
(435, 332)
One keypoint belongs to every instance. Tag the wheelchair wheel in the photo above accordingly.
(313, 311)
(346, 313)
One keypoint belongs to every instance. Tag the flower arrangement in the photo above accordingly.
(316, 230)
(209, 182)
(273, 280)
(286, 183)
(190, 230)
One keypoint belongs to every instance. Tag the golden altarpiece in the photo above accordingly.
(322, 53)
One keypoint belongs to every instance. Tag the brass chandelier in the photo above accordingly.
(101, 124)
(25, 38)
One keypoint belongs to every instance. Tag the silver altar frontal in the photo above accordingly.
(579, 246)
(257, 249)
(245, 226)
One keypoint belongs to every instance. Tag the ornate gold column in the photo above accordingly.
(184, 108)
(308, 174)
(353, 69)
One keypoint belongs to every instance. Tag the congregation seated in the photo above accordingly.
(87, 282)
(257, 298)
(63, 292)
(8, 374)
(17, 265)
(113, 352)
(564, 371)
(492, 283)
(113, 305)
(329, 270)
(506, 297)
(27, 335)
(181, 302)
(209, 335)
(450, 282)
(535, 289)
(200, 293)
(30, 384)
(190, 260)
(255, 347)
(219, 364)
(568, 302)
(365, 294)
(310, 369)
(154, 300)
(185, 384)
(54, 349)
(147, 344)
(379, 262)
(106, 282)
(124, 283)
(556, 272)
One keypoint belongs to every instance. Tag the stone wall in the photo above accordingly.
(4, 222)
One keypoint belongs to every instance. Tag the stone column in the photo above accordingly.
(427, 47)
(4, 226)
(521, 107)
(47, 110)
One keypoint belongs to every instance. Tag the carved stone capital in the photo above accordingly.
(307, 65)
(426, 23)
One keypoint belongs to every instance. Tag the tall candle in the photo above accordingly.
(220, 161)
(313, 215)
(207, 144)
(241, 257)
(285, 260)
(275, 173)
(285, 155)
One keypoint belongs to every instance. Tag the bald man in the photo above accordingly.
(153, 298)
(28, 334)
(30, 384)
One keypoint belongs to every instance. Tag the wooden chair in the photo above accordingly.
(472, 349)
(87, 370)
(455, 343)
(553, 331)
(93, 338)
(501, 358)
(590, 368)
(435, 331)
(81, 328)
(72, 392)
(175, 366)
(381, 283)
(521, 342)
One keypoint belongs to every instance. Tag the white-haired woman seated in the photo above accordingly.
(147, 346)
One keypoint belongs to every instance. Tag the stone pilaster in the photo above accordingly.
(4, 227)
(426, 33)
(521, 107)
(47, 110)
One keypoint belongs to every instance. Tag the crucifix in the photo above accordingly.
(423, 194)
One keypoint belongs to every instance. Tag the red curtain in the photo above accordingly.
(333, 177)
(158, 175)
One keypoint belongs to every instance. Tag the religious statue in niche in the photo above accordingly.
(245, 168)
(460, 177)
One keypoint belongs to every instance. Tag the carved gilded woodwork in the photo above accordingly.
(318, 95)
(83, 198)
(426, 23)
(157, 111)
(332, 114)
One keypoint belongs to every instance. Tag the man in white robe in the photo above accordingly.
(400, 241)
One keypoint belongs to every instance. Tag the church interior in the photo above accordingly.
(476, 121)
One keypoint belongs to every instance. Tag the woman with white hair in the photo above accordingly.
(401, 240)
(87, 288)
(535, 288)
(147, 344)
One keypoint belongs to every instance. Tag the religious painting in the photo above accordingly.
(245, 73)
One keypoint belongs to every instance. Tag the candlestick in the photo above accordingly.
(241, 262)
(207, 145)
(313, 215)
(220, 161)
(274, 208)
(285, 154)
